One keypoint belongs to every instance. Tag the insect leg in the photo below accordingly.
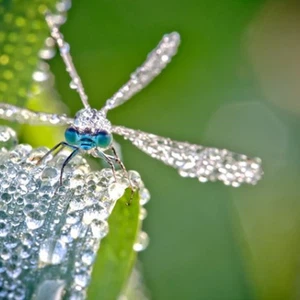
(118, 160)
(107, 158)
(61, 144)
(66, 162)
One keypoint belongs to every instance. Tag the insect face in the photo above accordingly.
(87, 140)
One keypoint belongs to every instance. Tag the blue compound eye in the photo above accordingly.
(72, 136)
(103, 139)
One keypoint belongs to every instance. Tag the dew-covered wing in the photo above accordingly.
(26, 116)
(195, 161)
(155, 62)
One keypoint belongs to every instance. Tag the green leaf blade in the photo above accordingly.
(116, 256)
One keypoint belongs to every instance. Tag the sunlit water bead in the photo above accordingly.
(144, 196)
(95, 212)
(76, 181)
(22, 178)
(143, 214)
(105, 177)
(88, 257)
(73, 217)
(52, 252)
(19, 153)
(11, 170)
(135, 179)
(50, 175)
(78, 230)
(11, 241)
(116, 189)
(6, 198)
(99, 229)
(4, 228)
(81, 280)
(34, 219)
(13, 270)
(142, 242)
(76, 204)
(8, 138)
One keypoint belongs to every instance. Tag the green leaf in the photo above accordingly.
(116, 256)
(22, 34)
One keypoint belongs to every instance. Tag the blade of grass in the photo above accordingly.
(116, 256)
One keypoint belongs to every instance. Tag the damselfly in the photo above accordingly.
(91, 132)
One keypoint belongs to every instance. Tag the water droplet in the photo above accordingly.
(99, 229)
(65, 49)
(5, 254)
(77, 295)
(11, 241)
(30, 198)
(141, 242)
(25, 252)
(76, 203)
(72, 218)
(4, 228)
(143, 214)
(4, 184)
(22, 189)
(3, 215)
(34, 220)
(88, 257)
(15, 221)
(94, 212)
(144, 196)
(6, 198)
(22, 178)
(13, 270)
(20, 201)
(12, 189)
(28, 208)
(81, 279)
(76, 181)
(52, 252)
(27, 239)
(3, 206)
(12, 171)
(116, 190)
(77, 230)
(19, 294)
(135, 179)
(42, 209)
(73, 85)
(46, 190)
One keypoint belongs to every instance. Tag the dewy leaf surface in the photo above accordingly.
(116, 256)
(22, 34)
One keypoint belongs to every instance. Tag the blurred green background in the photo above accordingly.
(233, 84)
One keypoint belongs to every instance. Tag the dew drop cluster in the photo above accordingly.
(50, 234)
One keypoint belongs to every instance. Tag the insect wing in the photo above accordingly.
(26, 116)
(156, 61)
(195, 161)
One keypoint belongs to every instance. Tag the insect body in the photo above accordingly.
(90, 131)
